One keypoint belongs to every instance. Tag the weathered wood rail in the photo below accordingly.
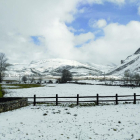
(93, 99)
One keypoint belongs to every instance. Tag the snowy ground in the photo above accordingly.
(72, 90)
(110, 122)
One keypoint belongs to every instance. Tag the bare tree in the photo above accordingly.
(31, 79)
(112, 80)
(40, 79)
(3, 65)
(136, 77)
(128, 76)
(104, 78)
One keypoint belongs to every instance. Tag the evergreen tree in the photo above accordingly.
(66, 76)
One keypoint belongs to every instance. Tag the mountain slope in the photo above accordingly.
(131, 63)
(54, 67)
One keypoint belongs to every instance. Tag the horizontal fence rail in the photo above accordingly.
(92, 99)
(80, 99)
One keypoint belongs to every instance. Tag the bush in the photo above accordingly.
(24, 79)
(50, 82)
(1, 95)
(2, 92)
(37, 82)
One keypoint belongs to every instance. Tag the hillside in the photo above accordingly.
(131, 63)
(54, 67)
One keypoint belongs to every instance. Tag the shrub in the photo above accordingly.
(24, 79)
(50, 82)
(2, 92)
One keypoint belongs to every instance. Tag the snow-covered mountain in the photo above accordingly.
(131, 63)
(103, 67)
(54, 67)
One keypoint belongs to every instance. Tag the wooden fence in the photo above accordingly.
(94, 99)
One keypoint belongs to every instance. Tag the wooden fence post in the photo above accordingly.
(134, 98)
(97, 100)
(116, 99)
(34, 100)
(77, 99)
(56, 99)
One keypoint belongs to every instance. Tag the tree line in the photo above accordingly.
(131, 78)
(66, 76)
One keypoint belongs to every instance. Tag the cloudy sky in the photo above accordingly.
(97, 31)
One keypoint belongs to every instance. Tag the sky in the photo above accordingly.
(95, 31)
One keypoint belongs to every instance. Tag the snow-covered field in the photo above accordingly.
(51, 90)
(110, 122)
(71, 90)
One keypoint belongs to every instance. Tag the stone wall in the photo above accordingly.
(10, 103)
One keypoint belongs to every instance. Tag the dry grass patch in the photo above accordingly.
(20, 86)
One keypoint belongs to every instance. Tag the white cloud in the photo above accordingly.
(74, 30)
(21, 19)
(82, 38)
(82, 10)
(99, 24)
(118, 42)
(118, 2)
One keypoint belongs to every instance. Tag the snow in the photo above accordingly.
(49, 66)
(105, 68)
(55, 63)
(71, 90)
(133, 67)
(55, 66)
(111, 122)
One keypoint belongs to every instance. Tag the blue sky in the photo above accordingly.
(36, 40)
(111, 12)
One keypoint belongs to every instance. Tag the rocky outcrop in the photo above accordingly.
(138, 51)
